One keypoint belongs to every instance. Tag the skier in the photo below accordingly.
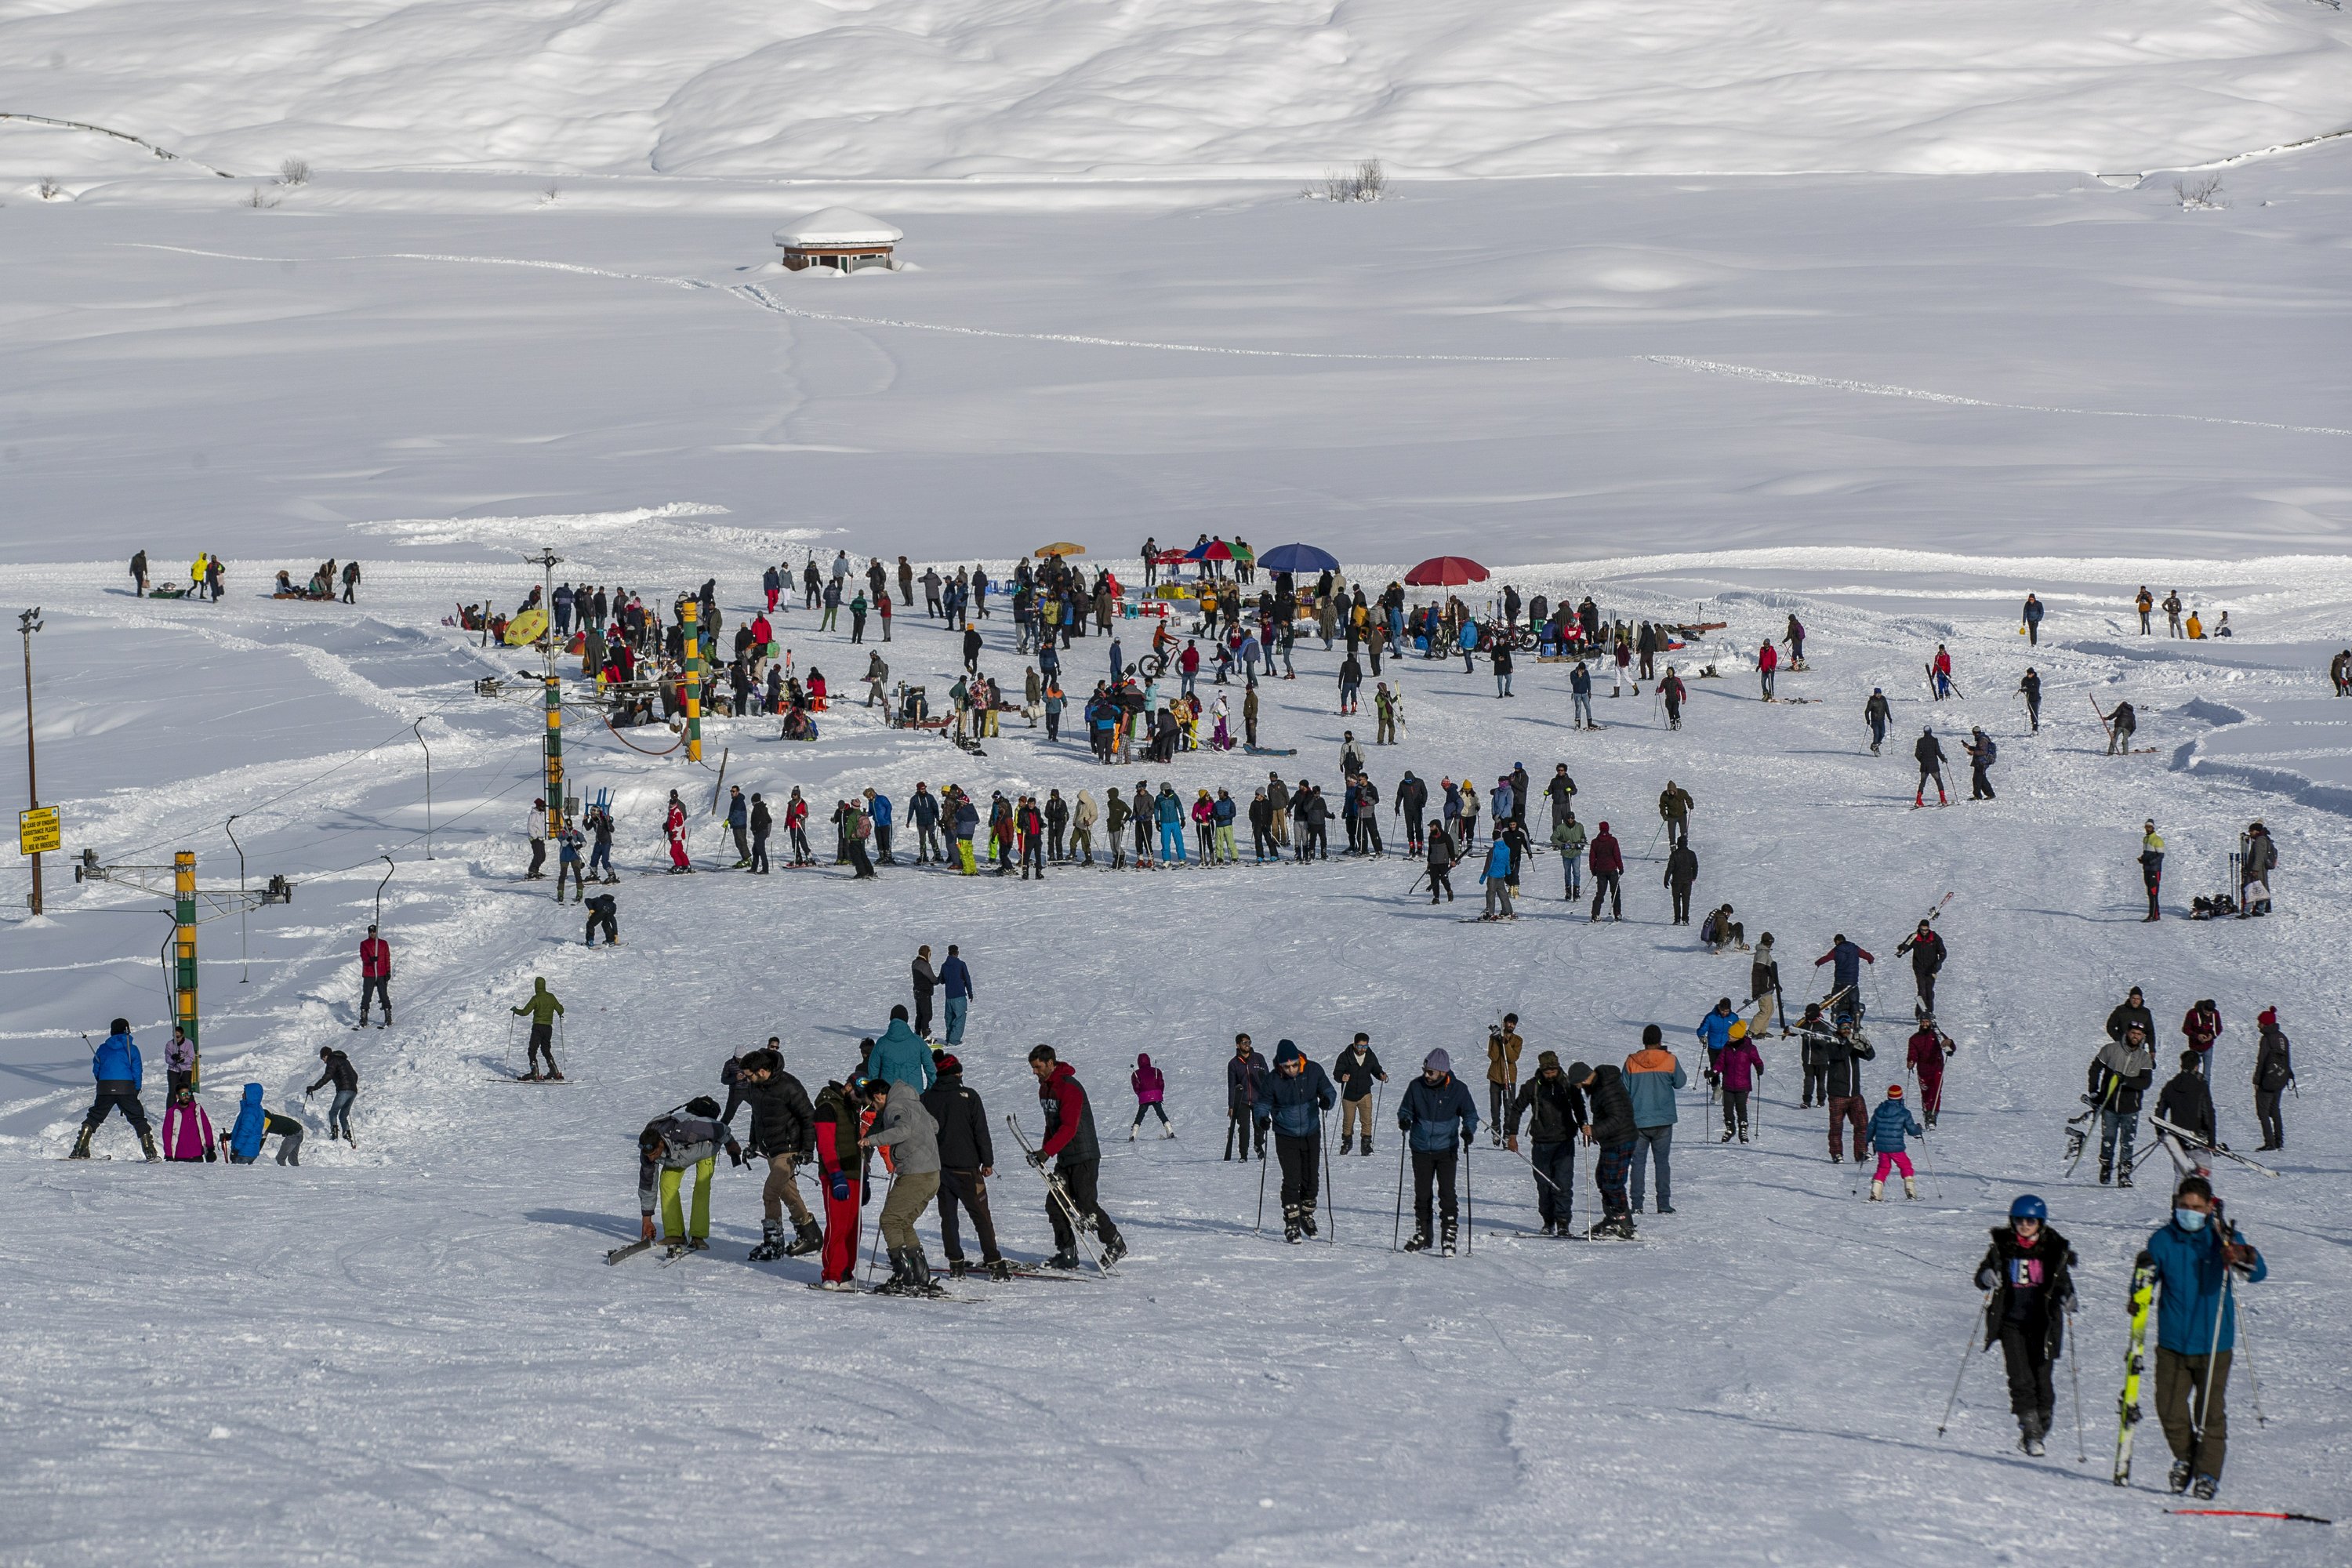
(1926, 951)
(335, 1067)
(1652, 1076)
(674, 830)
(1077, 1160)
(1299, 1097)
(603, 914)
(841, 1176)
(1246, 1089)
(2152, 865)
(1930, 753)
(1555, 1112)
(1878, 715)
(1675, 694)
(1357, 1069)
(2027, 1275)
(688, 1139)
(782, 1120)
(955, 977)
(1440, 853)
(187, 1130)
(1940, 669)
(1674, 805)
(1438, 1118)
(902, 1126)
(967, 1159)
(1888, 1123)
(543, 1009)
(2120, 1077)
(1981, 753)
(763, 824)
(1843, 1054)
(1607, 863)
(1681, 870)
(116, 1068)
(1610, 1132)
(1150, 1087)
(255, 1123)
(1714, 1032)
(375, 975)
(1927, 1052)
(1846, 959)
(2197, 1330)
(1814, 1033)
(2121, 721)
(2030, 687)
(537, 830)
(1503, 1048)
(2273, 1072)
(1737, 1066)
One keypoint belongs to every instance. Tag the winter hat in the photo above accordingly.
(1604, 827)
(1577, 1072)
(1285, 1052)
(1437, 1061)
(1547, 1059)
(949, 1064)
(1893, 1091)
(2267, 1018)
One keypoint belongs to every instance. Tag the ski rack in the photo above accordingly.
(1060, 1195)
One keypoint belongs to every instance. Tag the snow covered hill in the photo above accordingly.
(902, 88)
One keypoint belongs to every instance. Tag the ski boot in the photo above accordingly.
(1114, 1248)
(1130, 1134)
(1290, 1225)
(1417, 1242)
(698, 1244)
(1445, 1239)
(1877, 1191)
(2030, 1432)
(1551, 1227)
(771, 1242)
(2203, 1488)
(2178, 1479)
(2124, 1180)
(147, 1143)
(1067, 1259)
(996, 1267)
(81, 1146)
(2106, 1173)
(1910, 1188)
(806, 1238)
(1727, 1136)
(1348, 1143)
(918, 1273)
(1306, 1220)
(899, 1275)
(1743, 1132)
(1367, 1150)
(958, 1267)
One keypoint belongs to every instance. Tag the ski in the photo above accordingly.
(2143, 1289)
(915, 1295)
(619, 1253)
(2247, 1513)
(2192, 1142)
(1059, 1196)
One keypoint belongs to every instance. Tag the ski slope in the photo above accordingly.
(1228, 88)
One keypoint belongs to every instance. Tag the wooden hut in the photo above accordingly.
(837, 238)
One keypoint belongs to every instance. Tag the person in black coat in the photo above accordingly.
(927, 981)
(967, 1159)
(2027, 1275)
(1555, 1112)
(1246, 1086)
(1610, 1132)
(2273, 1072)
(1926, 951)
(1930, 753)
(783, 1132)
(1356, 1070)
(2187, 1102)
(1681, 870)
(2132, 1009)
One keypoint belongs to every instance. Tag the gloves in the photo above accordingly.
(1987, 1278)
(1037, 1158)
(735, 1153)
(837, 1183)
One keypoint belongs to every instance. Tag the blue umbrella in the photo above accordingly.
(1299, 558)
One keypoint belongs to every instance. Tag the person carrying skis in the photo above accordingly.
(1888, 1124)
(335, 1067)
(1813, 1036)
(903, 1127)
(2194, 1254)
(2273, 1072)
(2186, 1103)
(2029, 687)
(1928, 1050)
(600, 853)
(687, 1139)
(1438, 1118)
(2152, 865)
(1246, 1090)
(1736, 1067)
(2027, 1275)
(967, 1159)
(1878, 715)
(841, 1177)
(2120, 1077)
(1150, 1087)
(1607, 863)
(1611, 1133)
(1070, 1143)
(1930, 753)
(1843, 1054)
(543, 1010)
(1846, 959)
(187, 1130)
(375, 975)
(1554, 1108)
(782, 1122)
(1357, 1071)
(116, 1068)
(1298, 1096)
(1926, 951)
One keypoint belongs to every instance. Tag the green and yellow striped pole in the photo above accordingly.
(554, 753)
(184, 965)
(692, 614)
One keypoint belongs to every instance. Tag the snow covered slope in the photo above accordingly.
(905, 87)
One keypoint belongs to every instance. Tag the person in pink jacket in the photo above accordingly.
(1150, 1088)
(1737, 1065)
(1767, 664)
(187, 1130)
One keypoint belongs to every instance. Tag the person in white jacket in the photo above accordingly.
(537, 831)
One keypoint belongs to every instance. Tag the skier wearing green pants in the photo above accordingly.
(688, 1138)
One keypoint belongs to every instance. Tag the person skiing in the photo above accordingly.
(1357, 1069)
(1438, 1119)
(2273, 1072)
(375, 975)
(1981, 753)
(1610, 1132)
(1930, 753)
(900, 1055)
(1926, 951)
(2030, 686)
(1674, 694)
(335, 1067)
(1888, 1124)
(1299, 1096)
(1652, 1078)
(1846, 959)
(1070, 1143)
(841, 1178)
(543, 1010)
(687, 1139)
(2027, 1275)
(782, 1122)
(1737, 1066)
(1246, 1091)
(1439, 849)
(187, 1130)
(1878, 716)
(1554, 1111)
(116, 1068)
(1927, 1050)
(2152, 865)
(2119, 1076)
(2194, 1255)
(1607, 863)
(1843, 1054)
(902, 1126)
(1150, 1087)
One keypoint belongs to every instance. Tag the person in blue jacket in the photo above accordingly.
(955, 979)
(1715, 1032)
(1497, 875)
(255, 1123)
(1297, 1098)
(900, 1055)
(1888, 1124)
(115, 1065)
(1438, 1117)
(2197, 1330)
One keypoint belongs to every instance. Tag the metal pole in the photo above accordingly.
(418, 728)
(183, 957)
(389, 866)
(691, 614)
(28, 623)
(243, 956)
(1966, 1346)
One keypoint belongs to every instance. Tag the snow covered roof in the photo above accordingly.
(836, 226)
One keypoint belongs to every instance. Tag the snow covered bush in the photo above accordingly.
(2204, 196)
(294, 172)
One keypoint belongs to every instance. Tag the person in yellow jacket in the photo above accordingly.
(1503, 1048)
(2196, 626)
(196, 574)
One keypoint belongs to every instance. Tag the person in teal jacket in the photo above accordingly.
(1169, 813)
(900, 1056)
(2197, 1330)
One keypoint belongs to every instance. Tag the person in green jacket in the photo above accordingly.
(543, 1009)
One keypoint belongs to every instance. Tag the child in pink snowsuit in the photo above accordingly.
(187, 1130)
(1150, 1088)
(1888, 1123)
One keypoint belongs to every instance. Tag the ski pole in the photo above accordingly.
(2075, 1369)
(2212, 1357)
(1259, 1227)
(1469, 1203)
(1397, 1233)
(1966, 1345)
(1330, 1203)
(875, 1247)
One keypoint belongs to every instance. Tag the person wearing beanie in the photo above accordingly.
(2194, 1255)
(1556, 1109)
(1610, 1132)
(2027, 1275)
(902, 1126)
(1737, 1067)
(782, 1128)
(1297, 1098)
(2187, 1104)
(1503, 1048)
(1150, 1085)
(967, 1159)
(1437, 1117)
(2273, 1071)
(1607, 863)
(1652, 1078)
(1888, 1123)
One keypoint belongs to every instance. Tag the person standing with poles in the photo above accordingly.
(1358, 1068)
(1298, 1099)
(543, 1010)
(1437, 1117)
(1246, 1090)
(2197, 1256)
(2028, 1278)
(1503, 1048)
(115, 1066)
(2029, 687)
(1555, 1112)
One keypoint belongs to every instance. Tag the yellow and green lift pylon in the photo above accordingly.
(691, 614)
(183, 957)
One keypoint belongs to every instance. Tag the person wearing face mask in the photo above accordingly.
(2195, 1256)
(2028, 1281)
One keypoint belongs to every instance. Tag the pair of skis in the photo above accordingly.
(1060, 1197)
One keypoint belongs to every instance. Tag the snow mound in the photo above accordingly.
(900, 88)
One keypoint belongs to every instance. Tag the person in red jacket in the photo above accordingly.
(375, 975)
(2202, 1025)
(1071, 1144)
(1768, 663)
(763, 634)
(1608, 863)
(673, 825)
(1926, 1054)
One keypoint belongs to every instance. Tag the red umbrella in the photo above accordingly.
(1445, 571)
